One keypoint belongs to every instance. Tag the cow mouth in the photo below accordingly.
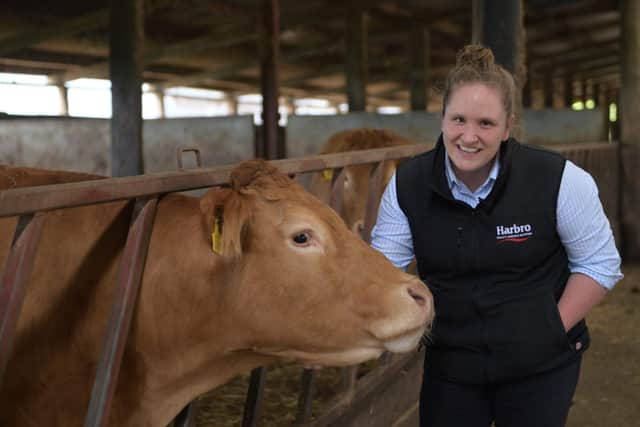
(405, 342)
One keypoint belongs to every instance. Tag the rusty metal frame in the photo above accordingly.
(25, 202)
(15, 276)
(128, 284)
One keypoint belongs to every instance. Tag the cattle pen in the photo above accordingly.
(349, 407)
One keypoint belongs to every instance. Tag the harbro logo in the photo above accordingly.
(513, 233)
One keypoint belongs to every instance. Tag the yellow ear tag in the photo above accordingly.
(216, 236)
(327, 174)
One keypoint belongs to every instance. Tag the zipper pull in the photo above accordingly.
(459, 239)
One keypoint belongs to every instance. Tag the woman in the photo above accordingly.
(516, 249)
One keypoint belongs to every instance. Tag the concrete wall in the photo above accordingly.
(307, 134)
(83, 145)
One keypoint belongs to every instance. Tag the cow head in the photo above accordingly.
(357, 177)
(299, 283)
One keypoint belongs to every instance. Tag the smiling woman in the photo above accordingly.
(516, 249)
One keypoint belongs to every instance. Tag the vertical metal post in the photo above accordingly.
(269, 44)
(17, 271)
(254, 398)
(477, 21)
(128, 283)
(568, 89)
(306, 396)
(337, 191)
(356, 58)
(419, 60)
(269, 47)
(373, 200)
(126, 39)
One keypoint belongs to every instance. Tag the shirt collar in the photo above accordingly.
(453, 181)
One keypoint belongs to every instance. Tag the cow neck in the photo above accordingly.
(174, 354)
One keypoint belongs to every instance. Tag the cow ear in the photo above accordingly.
(223, 218)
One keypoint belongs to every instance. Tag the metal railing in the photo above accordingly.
(32, 204)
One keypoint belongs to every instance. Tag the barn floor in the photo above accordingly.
(609, 389)
(608, 393)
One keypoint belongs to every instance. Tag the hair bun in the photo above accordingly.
(475, 56)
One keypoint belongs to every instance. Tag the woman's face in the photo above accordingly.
(473, 125)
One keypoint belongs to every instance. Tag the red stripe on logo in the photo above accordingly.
(514, 239)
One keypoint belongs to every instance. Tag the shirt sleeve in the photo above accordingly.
(391, 234)
(584, 228)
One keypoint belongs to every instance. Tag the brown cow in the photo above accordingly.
(356, 183)
(288, 280)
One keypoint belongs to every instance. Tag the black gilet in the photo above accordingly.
(496, 271)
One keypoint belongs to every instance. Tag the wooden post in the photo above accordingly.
(477, 21)
(64, 99)
(629, 116)
(503, 33)
(568, 89)
(419, 59)
(126, 39)
(596, 94)
(232, 100)
(356, 59)
(269, 46)
(584, 91)
(526, 92)
(547, 89)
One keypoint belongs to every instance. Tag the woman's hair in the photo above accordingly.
(476, 64)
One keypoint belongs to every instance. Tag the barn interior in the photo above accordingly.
(359, 63)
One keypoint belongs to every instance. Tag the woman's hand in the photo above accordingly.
(580, 295)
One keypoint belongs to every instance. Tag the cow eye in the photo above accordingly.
(302, 238)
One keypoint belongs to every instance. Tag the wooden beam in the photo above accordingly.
(126, 38)
(66, 28)
(565, 29)
(579, 58)
(70, 27)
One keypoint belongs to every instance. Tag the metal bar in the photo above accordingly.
(15, 202)
(253, 403)
(306, 396)
(349, 376)
(337, 192)
(269, 53)
(128, 283)
(340, 411)
(373, 200)
(186, 417)
(180, 152)
(17, 271)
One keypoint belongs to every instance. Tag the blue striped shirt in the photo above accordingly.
(583, 227)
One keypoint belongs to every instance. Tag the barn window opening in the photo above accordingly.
(182, 101)
(314, 107)
(89, 98)
(389, 109)
(18, 92)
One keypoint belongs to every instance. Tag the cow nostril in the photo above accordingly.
(419, 298)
